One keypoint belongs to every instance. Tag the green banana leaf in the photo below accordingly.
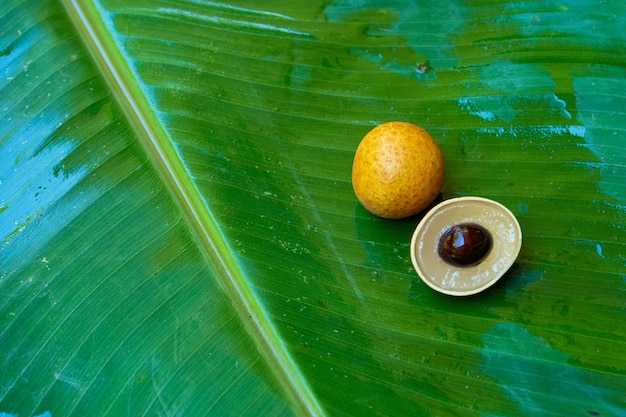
(179, 235)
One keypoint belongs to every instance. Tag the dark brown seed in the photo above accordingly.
(464, 244)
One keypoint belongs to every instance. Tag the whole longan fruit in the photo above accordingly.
(398, 170)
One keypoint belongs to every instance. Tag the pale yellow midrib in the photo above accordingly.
(155, 141)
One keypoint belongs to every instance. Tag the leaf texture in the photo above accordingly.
(179, 236)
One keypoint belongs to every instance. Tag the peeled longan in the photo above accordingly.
(398, 170)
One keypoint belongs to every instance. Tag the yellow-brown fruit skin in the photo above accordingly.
(398, 170)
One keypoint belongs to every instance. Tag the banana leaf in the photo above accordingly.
(179, 235)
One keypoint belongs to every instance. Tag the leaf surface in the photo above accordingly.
(179, 236)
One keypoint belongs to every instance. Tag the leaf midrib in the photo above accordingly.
(124, 86)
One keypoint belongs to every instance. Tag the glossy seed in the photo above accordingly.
(464, 244)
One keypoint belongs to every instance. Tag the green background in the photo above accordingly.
(179, 235)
